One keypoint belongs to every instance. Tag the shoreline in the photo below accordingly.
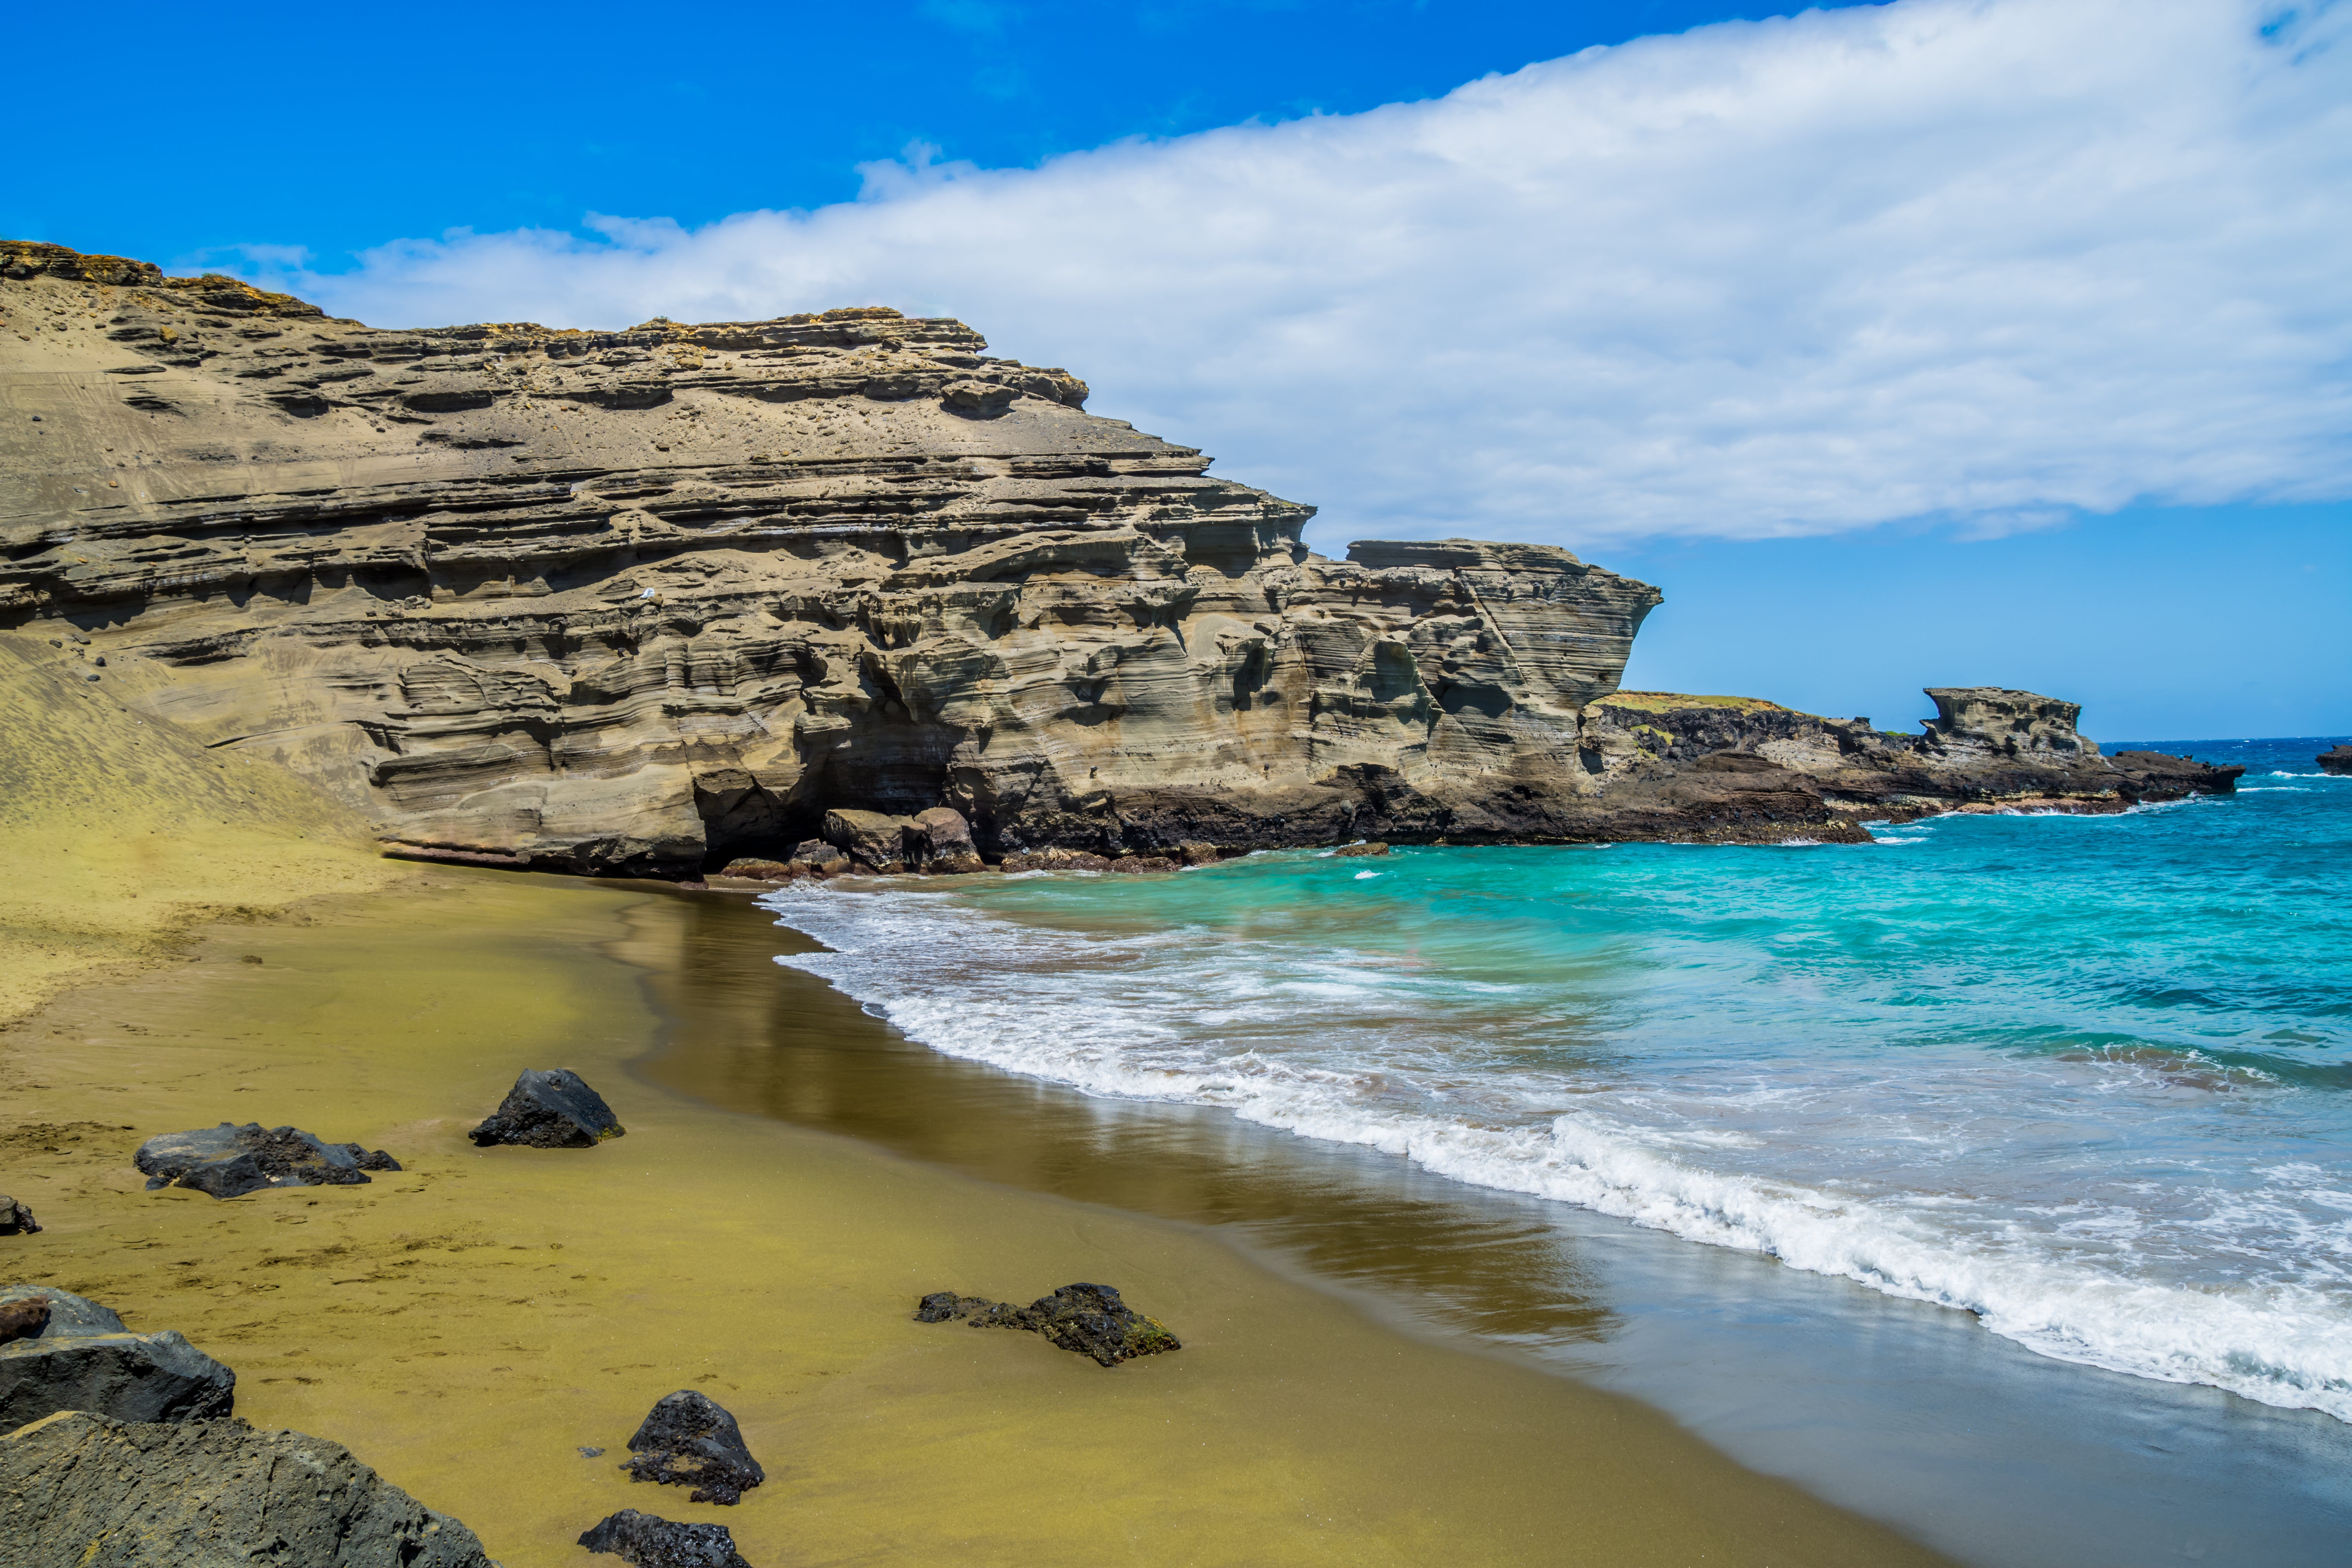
(533, 1302)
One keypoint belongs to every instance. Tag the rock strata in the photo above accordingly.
(2339, 761)
(648, 601)
(229, 1161)
(1090, 1320)
(642, 1540)
(550, 1109)
(79, 1490)
(70, 1354)
(690, 1440)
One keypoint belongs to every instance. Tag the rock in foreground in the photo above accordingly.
(79, 1490)
(229, 1161)
(552, 1109)
(1089, 1319)
(70, 1354)
(690, 1440)
(648, 1542)
(16, 1219)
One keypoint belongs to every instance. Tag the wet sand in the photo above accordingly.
(467, 1325)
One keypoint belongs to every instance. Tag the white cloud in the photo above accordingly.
(1986, 260)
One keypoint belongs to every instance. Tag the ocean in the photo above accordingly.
(2083, 1083)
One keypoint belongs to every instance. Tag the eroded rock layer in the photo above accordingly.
(640, 601)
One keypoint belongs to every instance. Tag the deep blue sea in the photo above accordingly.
(2087, 1078)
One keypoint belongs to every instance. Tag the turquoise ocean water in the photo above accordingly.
(2087, 1078)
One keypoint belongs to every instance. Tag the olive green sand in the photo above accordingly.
(467, 1325)
(118, 832)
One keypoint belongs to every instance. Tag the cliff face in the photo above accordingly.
(633, 601)
(615, 601)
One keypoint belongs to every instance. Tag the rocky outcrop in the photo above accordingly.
(689, 1439)
(2339, 761)
(228, 1160)
(1090, 1320)
(653, 600)
(79, 1490)
(550, 1109)
(78, 1355)
(645, 1541)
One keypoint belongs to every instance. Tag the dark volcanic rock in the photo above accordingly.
(77, 1356)
(2152, 776)
(550, 1109)
(228, 1160)
(650, 1543)
(16, 1219)
(1089, 1319)
(79, 1490)
(2339, 761)
(688, 1440)
(1374, 847)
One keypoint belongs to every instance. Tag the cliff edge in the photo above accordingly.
(635, 601)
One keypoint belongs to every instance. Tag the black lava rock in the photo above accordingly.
(689, 1441)
(16, 1219)
(229, 1161)
(66, 1353)
(650, 1543)
(1089, 1319)
(550, 1109)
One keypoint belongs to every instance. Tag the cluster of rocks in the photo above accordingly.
(686, 1440)
(16, 1219)
(121, 1450)
(229, 1161)
(1090, 1320)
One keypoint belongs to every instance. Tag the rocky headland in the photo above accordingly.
(647, 602)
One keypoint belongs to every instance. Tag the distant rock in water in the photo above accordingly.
(1089, 1319)
(649, 1542)
(550, 1109)
(690, 1440)
(16, 1219)
(2339, 761)
(63, 1351)
(79, 1490)
(229, 1161)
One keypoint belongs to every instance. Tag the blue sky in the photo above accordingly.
(1948, 341)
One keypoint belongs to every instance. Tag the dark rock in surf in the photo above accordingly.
(550, 1109)
(16, 1219)
(2152, 776)
(229, 1161)
(1090, 1320)
(2339, 761)
(79, 1490)
(690, 1440)
(1375, 848)
(68, 1353)
(649, 1542)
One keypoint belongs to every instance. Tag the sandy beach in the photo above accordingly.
(468, 1325)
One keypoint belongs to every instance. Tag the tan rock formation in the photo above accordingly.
(653, 600)
(616, 601)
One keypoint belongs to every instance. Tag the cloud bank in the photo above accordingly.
(1986, 261)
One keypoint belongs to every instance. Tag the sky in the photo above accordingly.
(1936, 343)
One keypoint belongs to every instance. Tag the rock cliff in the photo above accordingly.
(637, 601)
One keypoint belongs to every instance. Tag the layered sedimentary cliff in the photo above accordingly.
(631, 601)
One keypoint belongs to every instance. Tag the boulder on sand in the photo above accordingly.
(229, 1161)
(68, 1353)
(688, 1440)
(649, 1542)
(876, 841)
(822, 859)
(1089, 1319)
(16, 1219)
(938, 841)
(79, 1490)
(552, 1109)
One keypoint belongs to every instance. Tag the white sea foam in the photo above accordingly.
(1179, 1014)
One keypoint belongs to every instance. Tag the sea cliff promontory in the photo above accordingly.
(640, 601)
